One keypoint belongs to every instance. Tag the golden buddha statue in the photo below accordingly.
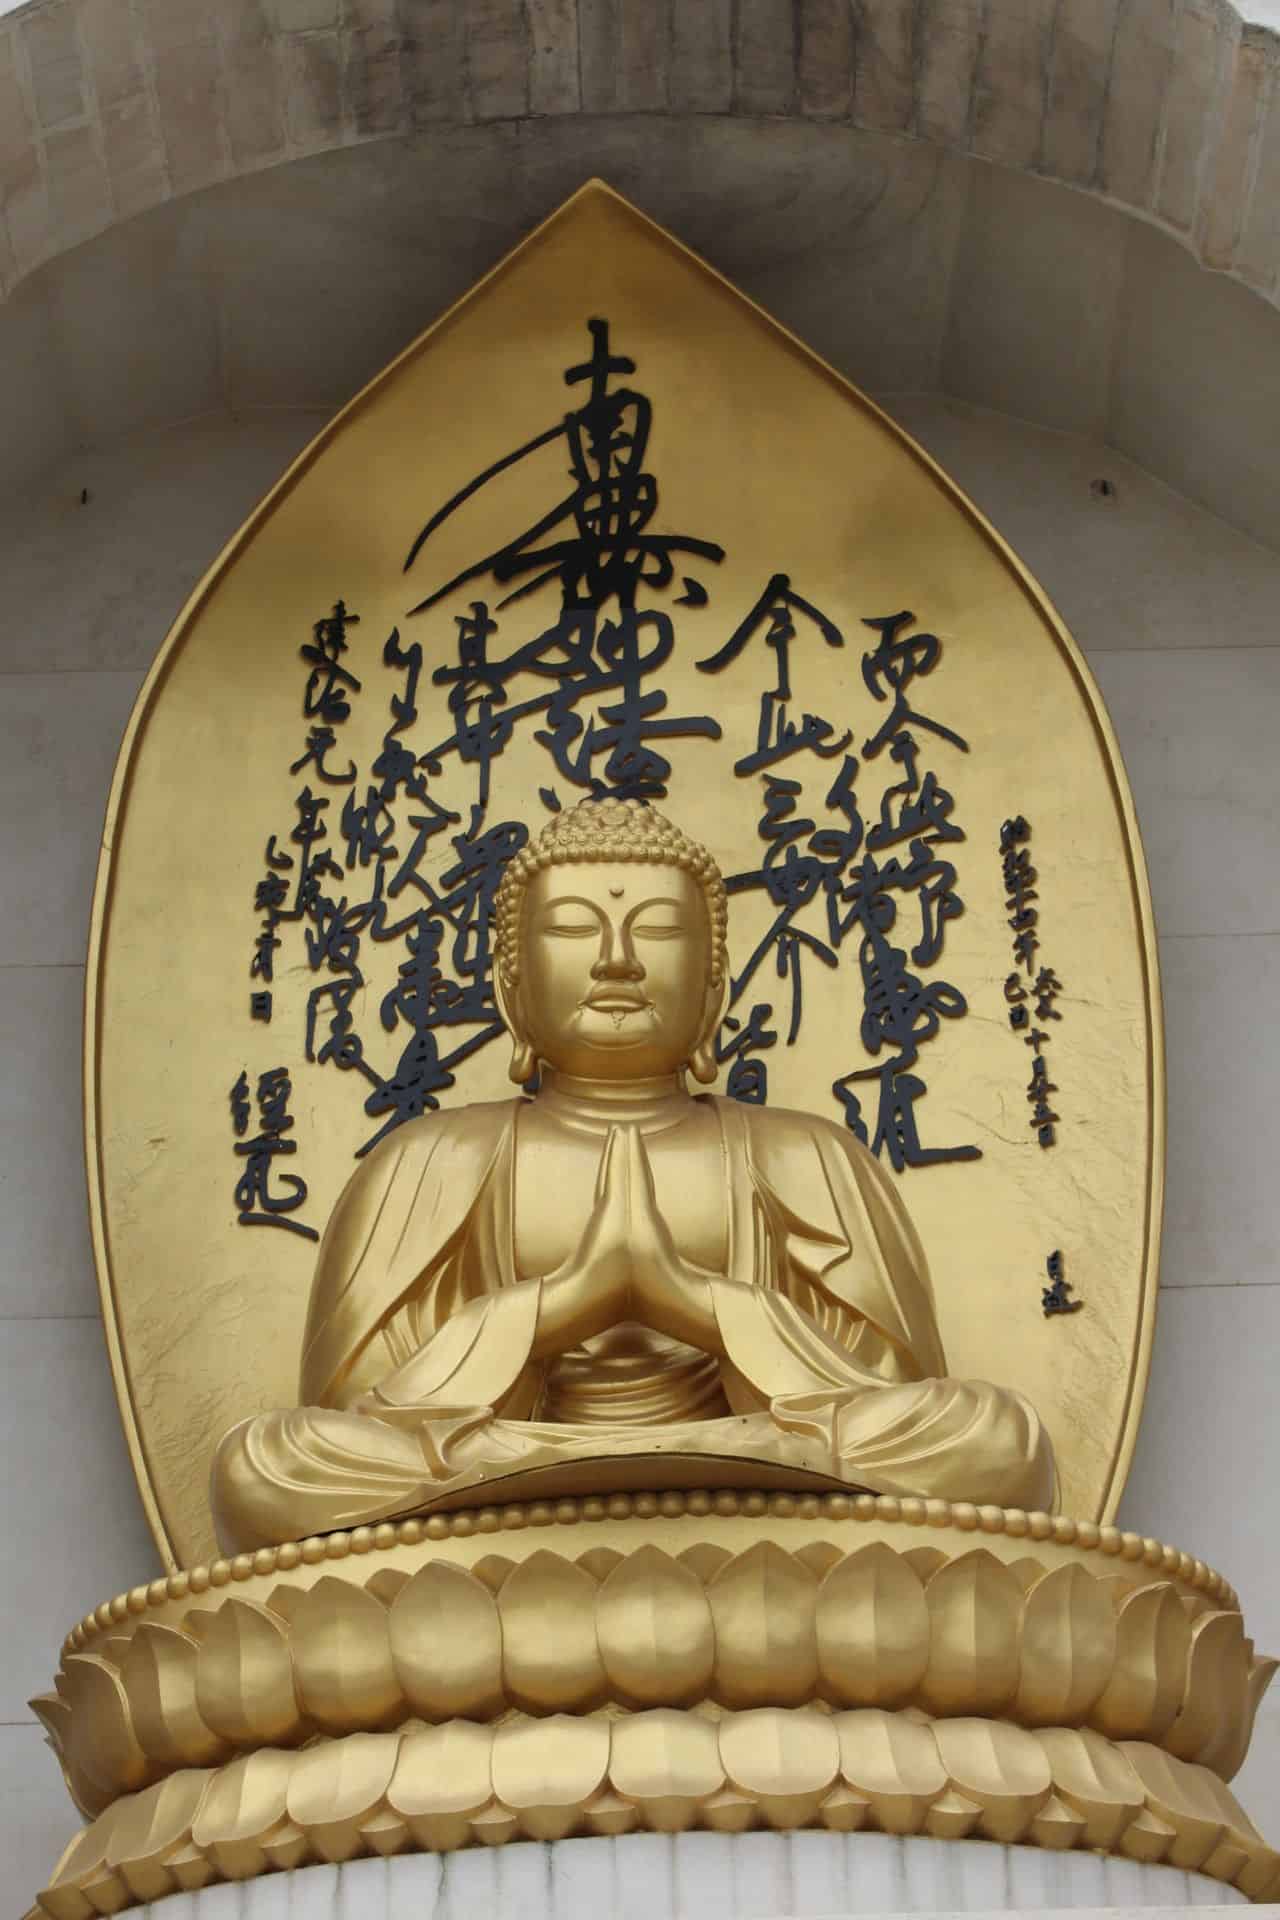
(615, 1282)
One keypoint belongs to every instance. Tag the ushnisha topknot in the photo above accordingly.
(608, 829)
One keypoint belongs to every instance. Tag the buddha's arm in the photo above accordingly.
(479, 1355)
(829, 1291)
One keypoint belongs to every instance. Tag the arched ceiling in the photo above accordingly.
(1063, 210)
(1165, 107)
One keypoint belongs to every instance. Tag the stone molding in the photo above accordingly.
(1166, 108)
(813, 1874)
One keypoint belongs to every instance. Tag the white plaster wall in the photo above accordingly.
(1177, 613)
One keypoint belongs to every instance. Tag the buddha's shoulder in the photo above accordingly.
(779, 1133)
(472, 1130)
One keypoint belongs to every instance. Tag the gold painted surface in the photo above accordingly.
(763, 448)
(612, 1278)
(436, 1789)
(653, 1661)
(558, 1622)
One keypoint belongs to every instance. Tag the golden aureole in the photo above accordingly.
(599, 1455)
(614, 1270)
(758, 449)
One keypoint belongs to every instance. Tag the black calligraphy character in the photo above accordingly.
(367, 827)
(1015, 994)
(899, 659)
(320, 740)
(404, 708)
(1053, 1298)
(900, 1013)
(777, 735)
(1047, 988)
(344, 1047)
(610, 505)
(630, 721)
(748, 1080)
(791, 878)
(265, 947)
(241, 1110)
(477, 692)
(314, 866)
(924, 807)
(425, 828)
(328, 683)
(425, 998)
(419, 1074)
(396, 770)
(933, 882)
(257, 1203)
(597, 543)
(1039, 1087)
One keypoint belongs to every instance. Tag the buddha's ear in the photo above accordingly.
(524, 1061)
(702, 1061)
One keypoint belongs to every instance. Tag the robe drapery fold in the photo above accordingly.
(832, 1365)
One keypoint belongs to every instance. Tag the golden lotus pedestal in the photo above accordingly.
(658, 1662)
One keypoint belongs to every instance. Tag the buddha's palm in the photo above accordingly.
(627, 1265)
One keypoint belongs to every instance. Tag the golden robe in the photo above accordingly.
(832, 1371)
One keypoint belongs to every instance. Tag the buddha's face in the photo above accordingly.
(615, 969)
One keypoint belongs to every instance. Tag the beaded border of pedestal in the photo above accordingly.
(912, 1510)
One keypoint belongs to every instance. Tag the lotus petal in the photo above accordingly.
(341, 1645)
(442, 1778)
(1095, 1781)
(245, 1801)
(1068, 1648)
(446, 1643)
(786, 1759)
(549, 1654)
(545, 1770)
(102, 1747)
(892, 1760)
(975, 1605)
(668, 1763)
(151, 1824)
(763, 1603)
(1175, 1796)
(1216, 1698)
(1226, 1754)
(1153, 1636)
(655, 1631)
(872, 1629)
(244, 1677)
(1001, 1767)
(336, 1785)
(159, 1676)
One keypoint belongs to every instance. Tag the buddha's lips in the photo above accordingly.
(615, 1002)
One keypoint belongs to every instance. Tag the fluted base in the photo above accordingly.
(708, 1876)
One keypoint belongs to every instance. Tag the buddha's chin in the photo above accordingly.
(622, 1052)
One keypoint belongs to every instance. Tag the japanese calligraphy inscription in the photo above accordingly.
(607, 531)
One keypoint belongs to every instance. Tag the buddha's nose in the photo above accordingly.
(617, 960)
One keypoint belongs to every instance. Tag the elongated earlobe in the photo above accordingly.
(702, 1063)
(524, 1063)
